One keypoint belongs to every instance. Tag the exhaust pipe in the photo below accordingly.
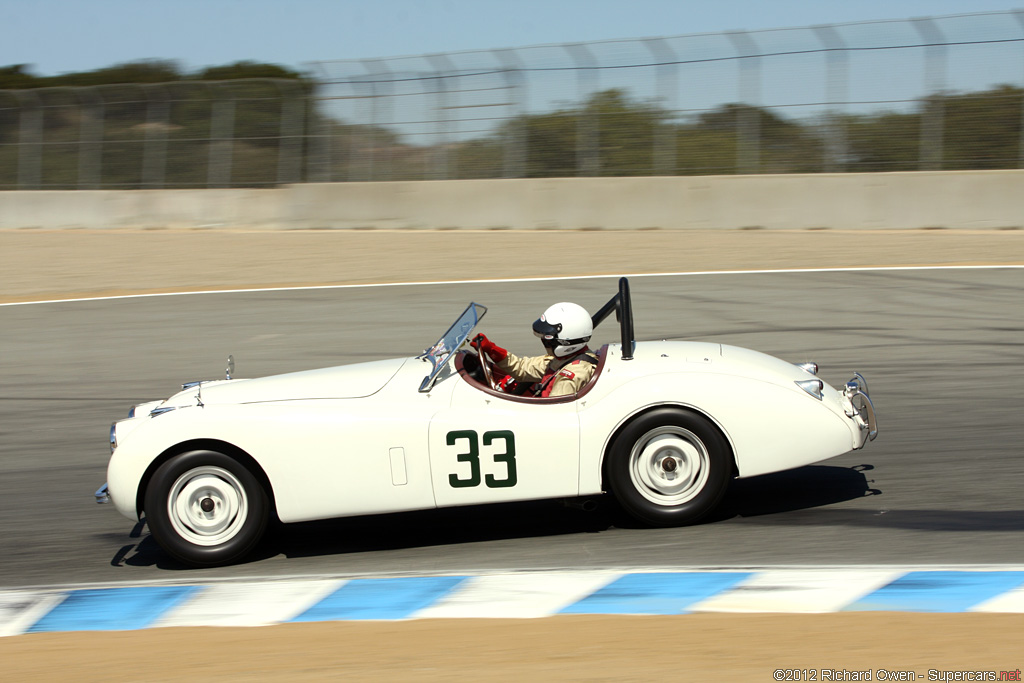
(585, 504)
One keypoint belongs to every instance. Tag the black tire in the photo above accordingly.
(662, 493)
(205, 508)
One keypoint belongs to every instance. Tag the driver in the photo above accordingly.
(568, 365)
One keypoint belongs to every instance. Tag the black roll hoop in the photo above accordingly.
(623, 307)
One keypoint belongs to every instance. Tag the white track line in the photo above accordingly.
(515, 280)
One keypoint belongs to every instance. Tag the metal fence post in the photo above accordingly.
(442, 67)
(90, 138)
(319, 161)
(1018, 14)
(154, 155)
(836, 88)
(748, 124)
(343, 140)
(516, 140)
(380, 79)
(366, 92)
(289, 149)
(588, 140)
(30, 147)
(935, 83)
(221, 136)
(664, 152)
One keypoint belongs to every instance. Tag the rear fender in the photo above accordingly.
(768, 427)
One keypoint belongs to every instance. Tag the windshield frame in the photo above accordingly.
(443, 350)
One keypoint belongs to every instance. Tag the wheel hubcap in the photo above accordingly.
(669, 465)
(207, 505)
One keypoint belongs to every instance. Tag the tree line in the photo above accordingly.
(265, 116)
(128, 118)
(19, 76)
(978, 130)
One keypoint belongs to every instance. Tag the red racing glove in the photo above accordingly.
(485, 345)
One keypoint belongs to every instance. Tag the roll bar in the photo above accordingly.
(623, 307)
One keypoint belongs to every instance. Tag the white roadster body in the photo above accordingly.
(664, 426)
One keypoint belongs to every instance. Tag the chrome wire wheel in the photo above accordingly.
(207, 505)
(669, 465)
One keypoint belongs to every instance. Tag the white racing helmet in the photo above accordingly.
(565, 328)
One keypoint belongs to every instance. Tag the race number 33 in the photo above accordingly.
(472, 441)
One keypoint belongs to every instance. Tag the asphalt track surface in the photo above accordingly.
(942, 484)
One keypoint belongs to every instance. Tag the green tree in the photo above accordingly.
(619, 130)
(711, 143)
(982, 129)
(246, 69)
(889, 141)
(15, 77)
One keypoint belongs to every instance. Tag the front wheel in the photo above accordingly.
(205, 508)
(669, 467)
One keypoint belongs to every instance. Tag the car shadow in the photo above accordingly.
(767, 495)
(803, 488)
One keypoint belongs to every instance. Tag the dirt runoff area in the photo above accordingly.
(40, 265)
(47, 265)
(696, 647)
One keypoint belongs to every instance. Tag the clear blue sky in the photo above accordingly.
(59, 36)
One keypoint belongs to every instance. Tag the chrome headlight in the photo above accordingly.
(814, 387)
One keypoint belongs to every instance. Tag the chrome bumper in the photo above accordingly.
(102, 496)
(861, 410)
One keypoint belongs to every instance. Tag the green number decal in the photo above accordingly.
(508, 457)
(473, 458)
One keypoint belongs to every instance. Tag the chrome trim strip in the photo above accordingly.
(809, 366)
(102, 494)
(191, 385)
(156, 412)
(814, 387)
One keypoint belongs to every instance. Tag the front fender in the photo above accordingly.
(142, 441)
(320, 458)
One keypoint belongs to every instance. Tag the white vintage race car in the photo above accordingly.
(663, 426)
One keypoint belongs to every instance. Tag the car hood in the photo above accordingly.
(346, 381)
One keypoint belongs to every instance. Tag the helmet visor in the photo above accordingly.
(543, 329)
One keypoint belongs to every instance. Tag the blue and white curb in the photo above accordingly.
(514, 595)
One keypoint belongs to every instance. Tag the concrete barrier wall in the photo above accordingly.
(974, 199)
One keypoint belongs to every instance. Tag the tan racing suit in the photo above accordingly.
(559, 376)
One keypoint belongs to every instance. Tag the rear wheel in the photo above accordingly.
(205, 508)
(669, 467)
